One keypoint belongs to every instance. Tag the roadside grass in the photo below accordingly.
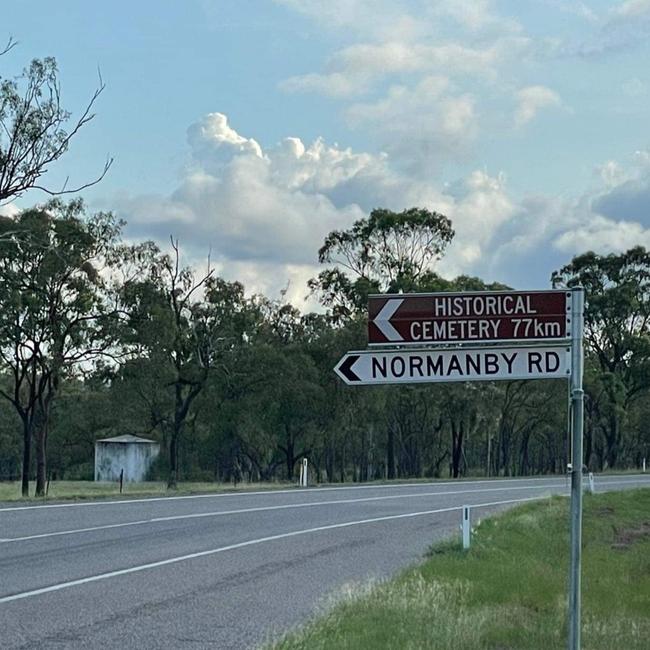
(83, 490)
(509, 591)
(71, 490)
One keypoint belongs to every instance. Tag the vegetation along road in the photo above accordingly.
(225, 571)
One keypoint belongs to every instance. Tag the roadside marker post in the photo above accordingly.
(461, 337)
(592, 485)
(467, 527)
(303, 473)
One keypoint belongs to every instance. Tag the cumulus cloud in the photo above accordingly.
(531, 100)
(264, 211)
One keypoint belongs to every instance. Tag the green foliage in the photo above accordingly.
(387, 252)
(617, 334)
(35, 130)
(59, 314)
(98, 338)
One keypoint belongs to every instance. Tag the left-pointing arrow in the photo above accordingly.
(344, 368)
(382, 320)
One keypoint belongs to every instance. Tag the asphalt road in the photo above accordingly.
(221, 571)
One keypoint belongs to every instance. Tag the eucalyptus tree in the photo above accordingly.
(59, 314)
(35, 128)
(617, 335)
(386, 252)
(183, 323)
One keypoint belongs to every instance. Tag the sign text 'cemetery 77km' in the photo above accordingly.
(461, 337)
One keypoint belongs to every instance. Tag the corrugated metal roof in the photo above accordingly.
(126, 439)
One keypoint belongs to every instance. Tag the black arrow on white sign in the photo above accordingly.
(344, 368)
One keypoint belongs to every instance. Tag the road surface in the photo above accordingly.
(221, 571)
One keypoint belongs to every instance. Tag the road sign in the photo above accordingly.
(429, 319)
(466, 364)
(540, 318)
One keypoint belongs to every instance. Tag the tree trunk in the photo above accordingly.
(27, 447)
(456, 448)
(290, 459)
(390, 454)
(172, 480)
(41, 461)
(613, 440)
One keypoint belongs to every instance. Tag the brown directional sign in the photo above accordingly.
(469, 317)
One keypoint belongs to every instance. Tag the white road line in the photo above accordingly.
(126, 501)
(232, 547)
(287, 506)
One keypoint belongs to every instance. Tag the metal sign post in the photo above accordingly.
(577, 406)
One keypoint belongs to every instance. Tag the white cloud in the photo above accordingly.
(475, 16)
(354, 70)
(604, 235)
(531, 100)
(9, 210)
(378, 19)
(335, 84)
(633, 9)
(621, 27)
(422, 125)
(634, 87)
(264, 212)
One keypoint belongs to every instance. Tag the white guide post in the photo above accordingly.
(303, 472)
(577, 410)
(467, 526)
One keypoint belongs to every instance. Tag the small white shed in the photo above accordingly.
(130, 453)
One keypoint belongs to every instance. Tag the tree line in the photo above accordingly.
(100, 338)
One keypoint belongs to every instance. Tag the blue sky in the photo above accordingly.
(254, 127)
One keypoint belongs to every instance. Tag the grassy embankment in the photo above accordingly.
(508, 592)
(68, 490)
(82, 490)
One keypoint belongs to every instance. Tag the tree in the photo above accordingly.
(35, 129)
(617, 334)
(58, 315)
(182, 324)
(387, 252)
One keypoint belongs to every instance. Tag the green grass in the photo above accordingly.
(509, 591)
(71, 490)
(64, 490)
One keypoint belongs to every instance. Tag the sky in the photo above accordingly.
(249, 129)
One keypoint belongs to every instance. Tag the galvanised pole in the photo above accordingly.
(577, 416)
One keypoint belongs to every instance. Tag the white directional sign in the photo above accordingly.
(480, 364)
